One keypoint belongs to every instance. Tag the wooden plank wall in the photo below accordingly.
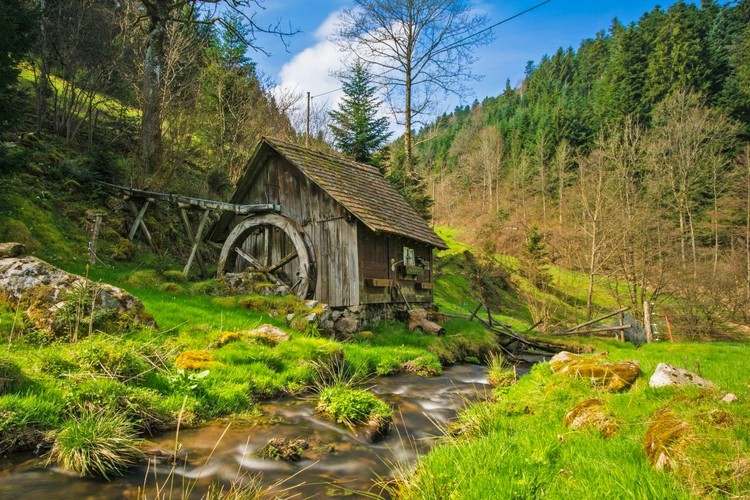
(332, 233)
(376, 252)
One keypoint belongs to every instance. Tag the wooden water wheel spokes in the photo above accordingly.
(302, 283)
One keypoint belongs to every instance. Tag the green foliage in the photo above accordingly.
(356, 129)
(351, 406)
(96, 444)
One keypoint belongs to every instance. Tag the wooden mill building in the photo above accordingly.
(336, 230)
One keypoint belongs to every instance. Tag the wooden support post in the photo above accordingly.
(196, 241)
(138, 222)
(647, 328)
(474, 312)
(191, 237)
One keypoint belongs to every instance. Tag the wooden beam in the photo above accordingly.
(191, 237)
(138, 214)
(596, 320)
(286, 260)
(378, 282)
(196, 241)
(195, 202)
(257, 265)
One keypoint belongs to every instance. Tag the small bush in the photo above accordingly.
(123, 250)
(352, 406)
(174, 276)
(146, 278)
(112, 358)
(96, 445)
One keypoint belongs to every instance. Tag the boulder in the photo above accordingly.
(268, 334)
(51, 296)
(667, 375)
(11, 250)
(729, 397)
(612, 376)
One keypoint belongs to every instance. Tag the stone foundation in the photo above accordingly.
(348, 320)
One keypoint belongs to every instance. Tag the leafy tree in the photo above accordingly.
(355, 126)
(17, 21)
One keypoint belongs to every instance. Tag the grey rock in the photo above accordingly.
(667, 375)
(729, 397)
(45, 291)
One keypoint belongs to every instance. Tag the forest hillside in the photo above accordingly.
(626, 158)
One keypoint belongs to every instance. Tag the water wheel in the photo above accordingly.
(274, 246)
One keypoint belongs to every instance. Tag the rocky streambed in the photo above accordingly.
(336, 462)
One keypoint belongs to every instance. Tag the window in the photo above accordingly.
(409, 259)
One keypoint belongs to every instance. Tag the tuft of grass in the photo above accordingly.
(96, 445)
(121, 360)
(500, 373)
(351, 407)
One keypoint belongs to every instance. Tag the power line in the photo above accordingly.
(326, 93)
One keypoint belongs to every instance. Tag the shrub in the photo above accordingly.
(11, 376)
(146, 278)
(96, 444)
(123, 250)
(113, 358)
(352, 406)
(174, 276)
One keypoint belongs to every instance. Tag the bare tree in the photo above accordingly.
(417, 47)
(160, 14)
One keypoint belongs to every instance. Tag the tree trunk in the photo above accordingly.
(152, 88)
(42, 84)
(407, 122)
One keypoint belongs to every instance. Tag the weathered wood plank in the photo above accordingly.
(196, 241)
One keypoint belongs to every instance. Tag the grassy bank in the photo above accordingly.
(518, 445)
(138, 373)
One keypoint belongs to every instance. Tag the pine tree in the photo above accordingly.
(355, 126)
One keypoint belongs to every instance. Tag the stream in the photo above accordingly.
(337, 464)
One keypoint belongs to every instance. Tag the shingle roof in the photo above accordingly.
(360, 188)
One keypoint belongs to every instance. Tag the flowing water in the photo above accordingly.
(338, 462)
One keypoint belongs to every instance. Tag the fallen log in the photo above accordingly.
(595, 320)
(418, 319)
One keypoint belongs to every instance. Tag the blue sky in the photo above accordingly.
(310, 57)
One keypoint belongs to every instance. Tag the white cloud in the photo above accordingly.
(312, 69)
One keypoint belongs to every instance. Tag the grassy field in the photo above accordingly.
(518, 445)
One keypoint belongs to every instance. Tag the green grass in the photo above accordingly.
(351, 406)
(518, 445)
(96, 444)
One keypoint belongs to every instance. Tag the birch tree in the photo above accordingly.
(417, 49)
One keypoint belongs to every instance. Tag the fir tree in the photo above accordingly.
(355, 126)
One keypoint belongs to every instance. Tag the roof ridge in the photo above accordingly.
(334, 155)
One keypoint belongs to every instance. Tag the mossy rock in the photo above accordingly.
(194, 360)
(15, 230)
(356, 408)
(288, 450)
